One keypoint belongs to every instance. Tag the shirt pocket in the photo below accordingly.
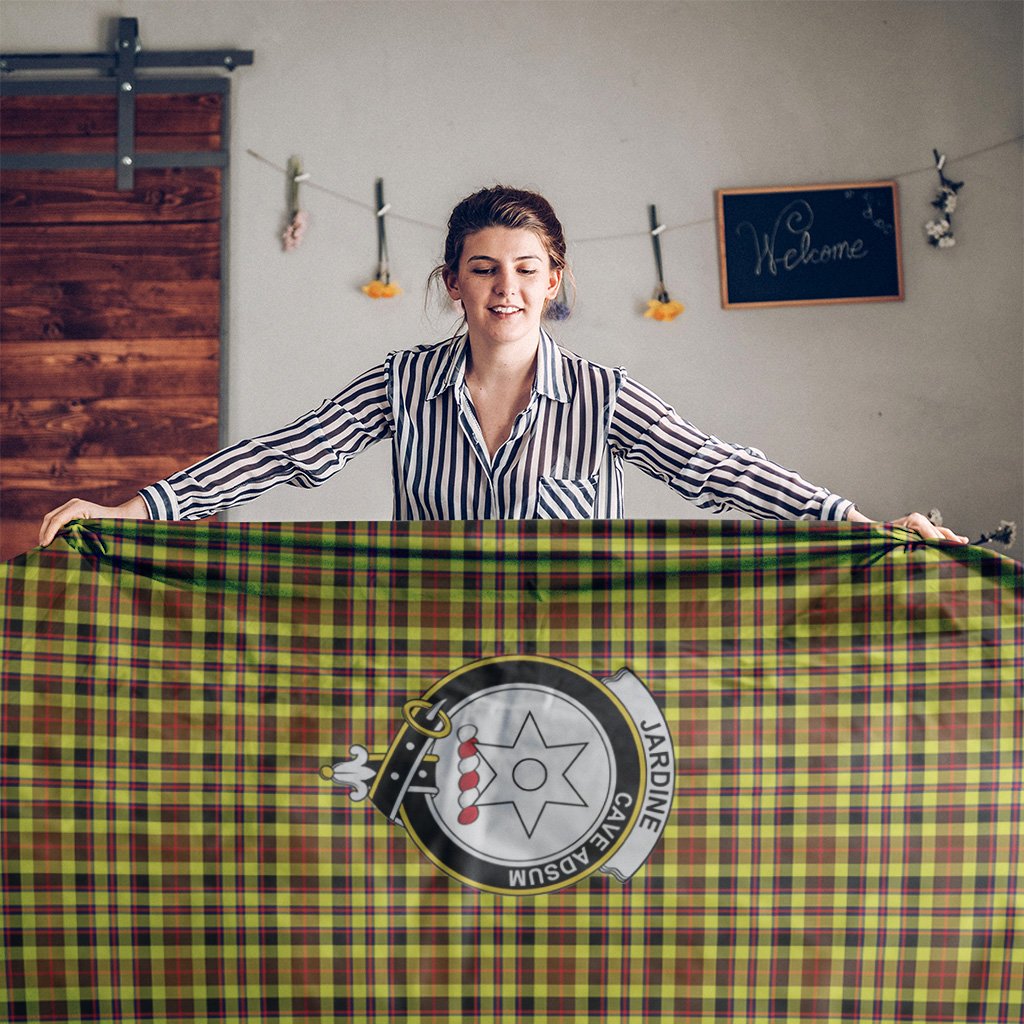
(564, 498)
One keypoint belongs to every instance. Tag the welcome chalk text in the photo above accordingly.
(795, 221)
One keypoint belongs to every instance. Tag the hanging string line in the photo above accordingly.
(313, 184)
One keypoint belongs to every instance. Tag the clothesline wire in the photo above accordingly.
(599, 238)
(341, 195)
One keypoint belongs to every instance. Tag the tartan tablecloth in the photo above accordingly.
(841, 841)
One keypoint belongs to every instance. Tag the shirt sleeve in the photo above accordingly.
(304, 454)
(713, 474)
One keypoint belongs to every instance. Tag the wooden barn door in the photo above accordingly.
(111, 305)
(110, 310)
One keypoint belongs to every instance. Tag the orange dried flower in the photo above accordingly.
(380, 290)
(665, 311)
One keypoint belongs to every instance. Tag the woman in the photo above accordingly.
(498, 422)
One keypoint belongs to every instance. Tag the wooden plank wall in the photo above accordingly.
(110, 307)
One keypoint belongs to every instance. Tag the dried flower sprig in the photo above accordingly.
(292, 236)
(661, 307)
(558, 308)
(665, 311)
(1004, 533)
(381, 287)
(940, 231)
(298, 218)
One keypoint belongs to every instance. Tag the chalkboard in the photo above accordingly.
(812, 244)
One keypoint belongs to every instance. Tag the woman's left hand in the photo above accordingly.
(920, 524)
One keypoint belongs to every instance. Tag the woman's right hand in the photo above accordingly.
(79, 508)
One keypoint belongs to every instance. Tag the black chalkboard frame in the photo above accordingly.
(894, 293)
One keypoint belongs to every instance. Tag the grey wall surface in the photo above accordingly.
(606, 107)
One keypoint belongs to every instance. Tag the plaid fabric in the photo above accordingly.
(844, 842)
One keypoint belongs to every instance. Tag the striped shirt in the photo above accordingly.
(562, 460)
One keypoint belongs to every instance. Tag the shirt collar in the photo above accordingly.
(550, 379)
(451, 370)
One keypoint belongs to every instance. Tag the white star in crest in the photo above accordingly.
(530, 774)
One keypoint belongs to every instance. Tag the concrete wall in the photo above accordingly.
(606, 107)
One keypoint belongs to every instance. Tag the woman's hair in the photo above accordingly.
(501, 207)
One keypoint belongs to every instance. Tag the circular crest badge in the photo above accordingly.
(522, 775)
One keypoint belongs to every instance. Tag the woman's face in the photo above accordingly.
(504, 279)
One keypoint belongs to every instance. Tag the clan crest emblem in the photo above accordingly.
(522, 775)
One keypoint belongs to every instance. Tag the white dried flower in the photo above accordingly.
(940, 231)
(1005, 533)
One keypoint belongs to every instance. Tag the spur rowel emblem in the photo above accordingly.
(522, 775)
